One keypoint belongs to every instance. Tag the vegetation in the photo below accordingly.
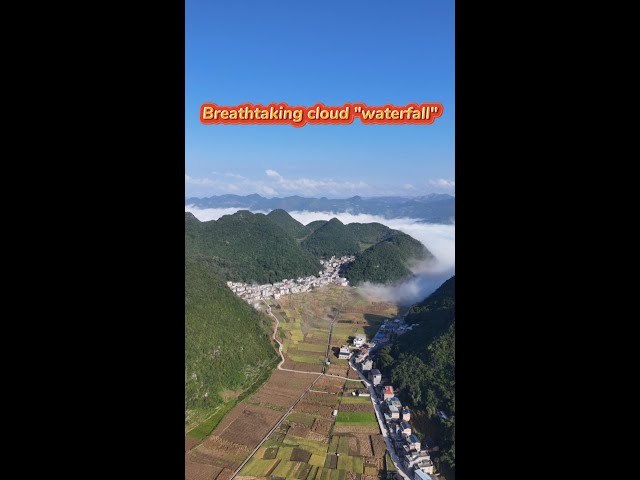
(369, 233)
(290, 225)
(356, 418)
(422, 364)
(333, 238)
(249, 247)
(218, 365)
(316, 224)
(387, 261)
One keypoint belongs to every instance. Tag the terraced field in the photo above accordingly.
(309, 445)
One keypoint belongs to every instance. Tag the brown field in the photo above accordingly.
(250, 427)
(318, 410)
(364, 429)
(299, 431)
(321, 426)
(328, 384)
(301, 366)
(282, 389)
(379, 447)
(316, 398)
(200, 471)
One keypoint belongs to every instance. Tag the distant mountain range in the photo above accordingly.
(432, 208)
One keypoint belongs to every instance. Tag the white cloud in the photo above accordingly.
(200, 181)
(229, 175)
(308, 186)
(441, 182)
(438, 238)
(408, 186)
(273, 174)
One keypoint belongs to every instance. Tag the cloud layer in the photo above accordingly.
(272, 183)
(439, 239)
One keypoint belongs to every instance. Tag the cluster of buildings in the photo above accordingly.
(392, 327)
(359, 342)
(252, 294)
(407, 445)
(415, 459)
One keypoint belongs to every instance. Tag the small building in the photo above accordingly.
(375, 376)
(395, 402)
(345, 353)
(406, 414)
(394, 413)
(367, 365)
(388, 393)
(335, 413)
(405, 428)
(359, 340)
(413, 442)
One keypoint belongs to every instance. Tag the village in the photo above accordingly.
(412, 454)
(253, 294)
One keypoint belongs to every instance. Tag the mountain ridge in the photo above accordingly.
(430, 208)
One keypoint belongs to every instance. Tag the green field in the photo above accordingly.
(302, 418)
(350, 464)
(351, 400)
(356, 418)
(312, 358)
(257, 467)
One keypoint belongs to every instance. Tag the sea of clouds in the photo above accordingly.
(440, 239)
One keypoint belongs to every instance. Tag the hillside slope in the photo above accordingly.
(387, 261)
(219, 365)
(332, 238)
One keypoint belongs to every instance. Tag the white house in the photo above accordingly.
(359, 341)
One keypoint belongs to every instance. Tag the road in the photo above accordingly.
(275, 334)
(383, 426)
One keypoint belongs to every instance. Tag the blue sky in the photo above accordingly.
(332, 52)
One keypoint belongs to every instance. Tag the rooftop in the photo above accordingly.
(388, 390)
(375, 371)
(422, 476)
(414, 439)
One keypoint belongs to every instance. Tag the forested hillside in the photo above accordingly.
(227, 342)
(289, 224)
(249, 247)
(422, 364)
(332, 238)
(387, 261)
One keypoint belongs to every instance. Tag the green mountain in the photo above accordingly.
(368, 234)
(289, 224)
(219, 365)
(421, 364)
(316, 224)
(387, 261)
(333, 238)
(249, 247)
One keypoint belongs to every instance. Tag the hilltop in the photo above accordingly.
(289, 224)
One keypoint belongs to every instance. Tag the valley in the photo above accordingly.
(290, 418)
